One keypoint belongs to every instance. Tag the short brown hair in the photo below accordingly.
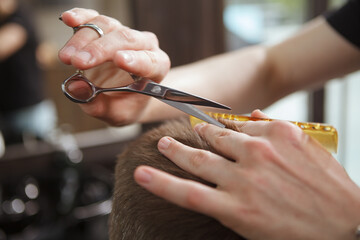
(138, 214)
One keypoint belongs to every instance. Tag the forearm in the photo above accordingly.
(238, 79)
(314, 55)
(258, 76)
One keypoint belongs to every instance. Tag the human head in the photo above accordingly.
(138, 214)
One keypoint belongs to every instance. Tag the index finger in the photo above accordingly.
(227, 142)
(185, 193)
(86, 35)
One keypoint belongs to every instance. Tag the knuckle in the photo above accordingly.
(81, 42)
(217, 139)
(97, 112)
(198, 159)
(236, 126)
(127, 34)
(151, 56)
(117, 121)
(254, 144)
(284, 129)
(97, 49)
(151, 68)
(75, 9)
(152, 38)
(165, 62)
(193, 198)
(165, 58)
(241, 212)
(277, 127)
(109, 22)
(248, 215)
(223, 133)
(261, 149)
(289, 132)
(156, 64)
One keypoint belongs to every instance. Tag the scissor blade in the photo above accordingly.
(149, 87)
(193, 111)
(179, 96)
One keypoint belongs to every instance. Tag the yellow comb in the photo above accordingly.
(325, 134)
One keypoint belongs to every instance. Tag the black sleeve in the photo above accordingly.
(346, 21)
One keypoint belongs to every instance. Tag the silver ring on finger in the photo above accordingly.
(97, 29)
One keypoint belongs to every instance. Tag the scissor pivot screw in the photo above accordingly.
(156, 89)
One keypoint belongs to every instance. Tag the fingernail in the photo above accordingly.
(143, 176)
(69, 51)
(199, 126)
(84, 56)
(164, 143)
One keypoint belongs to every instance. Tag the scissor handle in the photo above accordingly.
(78, 88)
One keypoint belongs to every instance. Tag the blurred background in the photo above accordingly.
(58, 185)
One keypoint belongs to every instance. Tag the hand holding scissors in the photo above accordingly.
(107, 57)
(80, 90)
(132, 54)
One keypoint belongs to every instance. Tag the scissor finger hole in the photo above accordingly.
(78, 89)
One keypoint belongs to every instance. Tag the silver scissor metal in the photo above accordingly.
(80, 90)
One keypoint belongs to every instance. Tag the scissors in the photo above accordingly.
(86, 91)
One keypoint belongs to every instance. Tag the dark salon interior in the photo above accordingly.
(58, 185)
